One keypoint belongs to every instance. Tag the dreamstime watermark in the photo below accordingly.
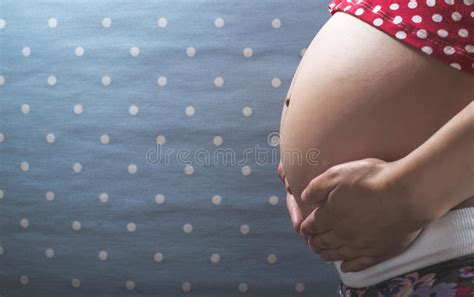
(260, 155)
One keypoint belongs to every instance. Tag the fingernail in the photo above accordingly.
(303, 195)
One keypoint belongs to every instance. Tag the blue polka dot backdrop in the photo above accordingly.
(139, 147)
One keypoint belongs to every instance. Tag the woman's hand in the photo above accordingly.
(362, 214)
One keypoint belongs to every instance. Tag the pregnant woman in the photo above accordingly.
(384, 94)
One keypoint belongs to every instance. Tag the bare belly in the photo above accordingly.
(359, 93)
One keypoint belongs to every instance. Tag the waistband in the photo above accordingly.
(448, 237)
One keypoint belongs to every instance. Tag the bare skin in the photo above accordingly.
(352, 100)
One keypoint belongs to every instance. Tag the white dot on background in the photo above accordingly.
(158, 257)
(394, 6)
(450, 2)
(25, 108)
(2, 80)
(468, 2)
(2, 194)
(26, 51)
(49, 253)
(273, 200)
(104, 139)
(243, 287)
(76, 225)
(431, 3)
(186, 286)
(299, 287)
(103, 255)
(76, 283)
(78, 109)
(276, 82)
(2, 136)
(131, 227)
(463, 32)
(376, 8)
(412, 4)
(397, 20)
(244, 229)
(456, 65)
(442, 33)
(24, 280)
(160, 199)
(191, 51)
(219, 22)
(401, 35)
(189, 111)
(469, 48)
(217, 140)
(427, 50)
(77, 167)
(187, 228)
(247, 111)
(134, 51)
(160, 139)
(246, 170)
(106, 22)
(3, 23)
(24, 223)
(50, 138)
(106, 80)
(359, 11)
(24, 166)
(52, 80)
(79, 51)
(272, 258)
(448, 50)
(216, 199)
(378, 22)
(456, 16)
(104, 197)
(248, 52)
(52, 22)
(50, 196)
(422, 33)
(215, 258)
(132, 168)
(437, 17)
(219, 81)
(188, 169)
(417, 19)
(276, 23)
(161, 81)
(133, 110)
(162, 22)
(130, 285)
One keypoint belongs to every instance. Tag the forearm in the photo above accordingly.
(439, 174)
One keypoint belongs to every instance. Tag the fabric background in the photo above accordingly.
(87, 209)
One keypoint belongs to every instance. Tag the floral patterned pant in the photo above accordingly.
(453, 278)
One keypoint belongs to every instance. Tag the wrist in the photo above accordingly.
(411, 196)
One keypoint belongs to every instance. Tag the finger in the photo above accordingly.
(281, 172)
(317, 222)
(287, 186)
(295, 212)
(328, 240)
(358, 264)
(318, 189)
(342, 253)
